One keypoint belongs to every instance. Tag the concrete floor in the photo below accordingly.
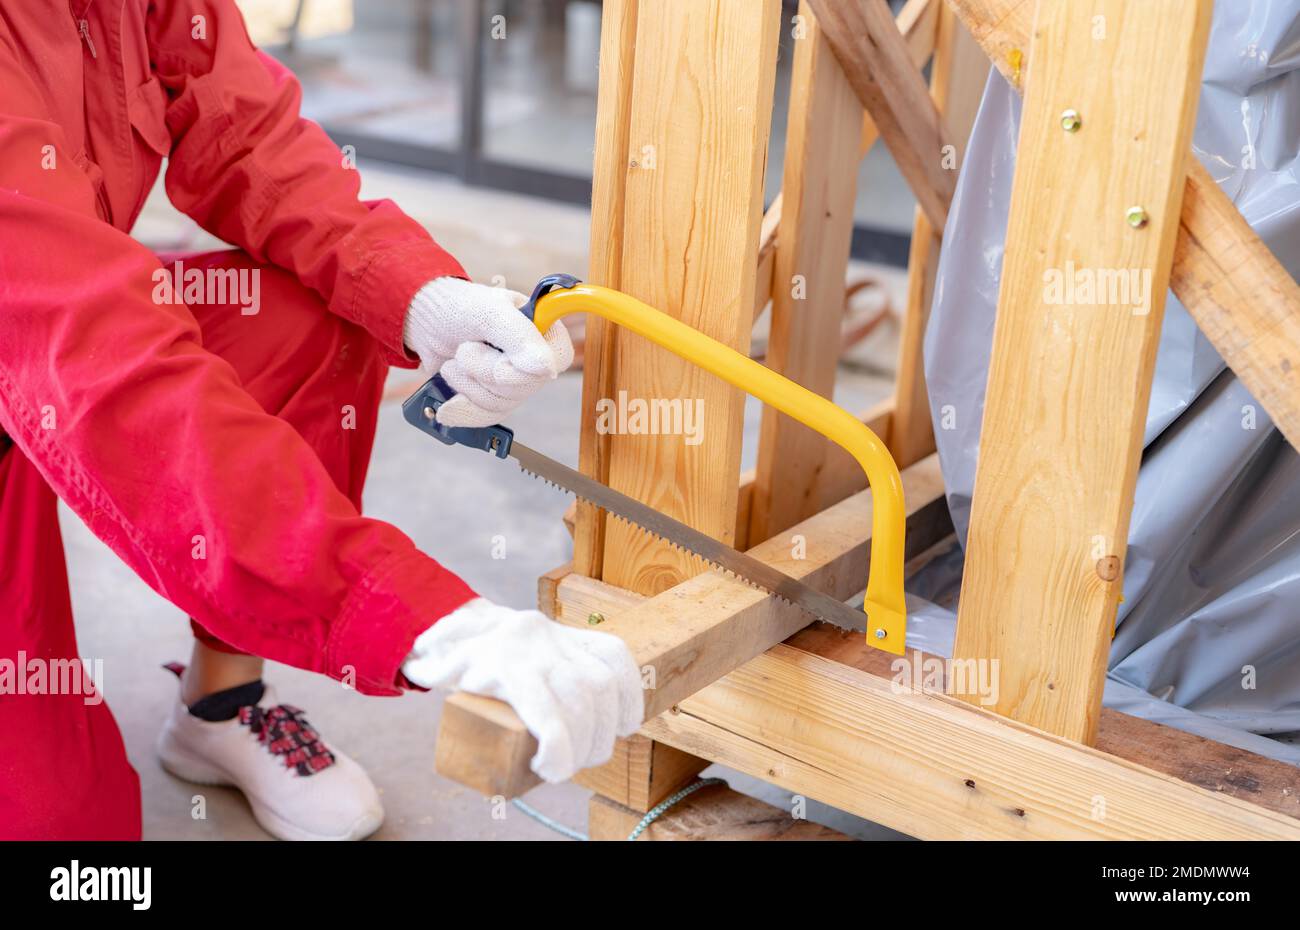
(134, 631)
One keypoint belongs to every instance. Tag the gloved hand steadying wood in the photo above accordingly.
(575, 690)
(490, 353)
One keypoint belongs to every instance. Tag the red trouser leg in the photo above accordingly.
(63, 768)
(320, 373)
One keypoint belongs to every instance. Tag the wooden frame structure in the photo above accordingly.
(685, 104)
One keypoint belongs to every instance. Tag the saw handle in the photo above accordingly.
(421, 411)
(421, 408)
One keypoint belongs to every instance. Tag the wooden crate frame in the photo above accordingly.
(685, 101)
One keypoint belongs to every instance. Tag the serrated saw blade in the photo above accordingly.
(747, 568)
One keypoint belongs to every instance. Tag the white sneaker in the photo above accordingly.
(299, 789)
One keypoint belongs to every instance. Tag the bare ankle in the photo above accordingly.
(211, 671)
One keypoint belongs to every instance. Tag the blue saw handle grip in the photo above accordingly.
(421, 408)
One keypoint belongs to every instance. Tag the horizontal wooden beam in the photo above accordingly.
(1217, 767)
(934, 767)
(1242, 298)
(708, 728)
(698, 631)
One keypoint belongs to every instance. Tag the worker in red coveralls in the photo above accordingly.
(206, 441)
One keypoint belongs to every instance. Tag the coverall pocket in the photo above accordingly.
(148, 111)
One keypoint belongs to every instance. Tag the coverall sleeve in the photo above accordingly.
(151, 440)
(249, 169)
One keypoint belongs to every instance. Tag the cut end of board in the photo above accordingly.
(483, 745)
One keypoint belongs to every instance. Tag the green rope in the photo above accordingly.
(661, 808)
(655, 812)
(548, 822)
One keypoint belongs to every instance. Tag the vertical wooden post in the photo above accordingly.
(957, 80)
(1083, 291)
(703, 82)
(609, 174)
(822, 153)
(677, 186)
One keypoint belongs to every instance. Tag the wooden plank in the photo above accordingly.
(1245, 302)
(548, 588)
(642, 774)
(766, 257)
(494, 765)
(659, 176)
(911, 433)
(876, 62)
(1002, 28)
(609, 176)
(956, 83)
(703, 85)
(916, 23)
(693, 634)
(819, 189)
(842, 476)
(1221, 769)
(1217, 767)
(714, 812)
(935, 767)
(1070, 377)
(1243, 299)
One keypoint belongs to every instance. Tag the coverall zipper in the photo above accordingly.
(83, 30)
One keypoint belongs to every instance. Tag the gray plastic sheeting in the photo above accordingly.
(1209, 635)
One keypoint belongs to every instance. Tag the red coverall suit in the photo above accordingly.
(159, 422)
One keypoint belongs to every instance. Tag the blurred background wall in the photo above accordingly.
(499, 93)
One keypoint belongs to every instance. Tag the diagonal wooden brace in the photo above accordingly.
(878, 65)
(1242, 298)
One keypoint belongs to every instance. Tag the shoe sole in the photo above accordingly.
(186, 766)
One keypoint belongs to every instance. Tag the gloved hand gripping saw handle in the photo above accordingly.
(421, 407)
(559, 295)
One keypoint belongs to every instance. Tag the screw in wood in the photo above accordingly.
(1137, 217)
(1071, 121)
(595, 619)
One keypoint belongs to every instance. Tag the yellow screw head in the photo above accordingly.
(1137, 217)
(1071, 121)
(594, 619)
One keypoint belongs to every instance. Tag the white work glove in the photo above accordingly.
(575, 690)
(489, 352)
